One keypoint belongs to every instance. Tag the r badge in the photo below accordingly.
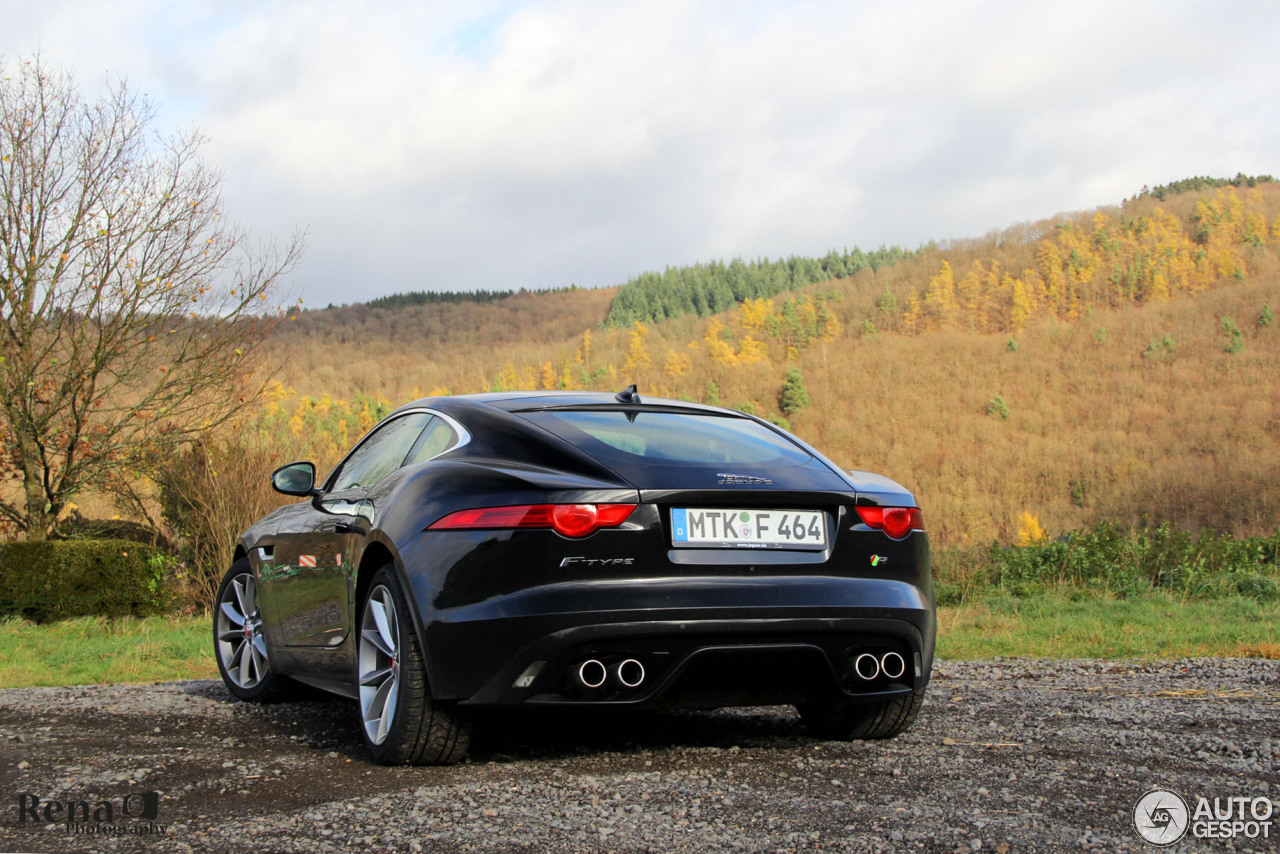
(876, 560)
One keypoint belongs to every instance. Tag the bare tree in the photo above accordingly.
(131, 311)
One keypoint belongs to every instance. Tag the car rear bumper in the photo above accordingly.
(698, 641)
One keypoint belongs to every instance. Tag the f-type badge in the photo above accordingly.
(597, 561)
(725, 479)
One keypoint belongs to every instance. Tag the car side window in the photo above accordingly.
(381, 453)
(436, 439)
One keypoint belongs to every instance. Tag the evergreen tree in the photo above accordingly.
(794, 396)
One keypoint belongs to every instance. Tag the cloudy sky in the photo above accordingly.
(491, 144)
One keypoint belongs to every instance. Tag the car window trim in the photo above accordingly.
(453, 427)
(464, 436)
(380, 428)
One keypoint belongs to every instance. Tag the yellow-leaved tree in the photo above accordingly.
(1030, 531)
(638, 358)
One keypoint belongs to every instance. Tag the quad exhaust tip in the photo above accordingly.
(628, 673)
(620, 675)
(592, 673)
(868, 667)
(893, 665)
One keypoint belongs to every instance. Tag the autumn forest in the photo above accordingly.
(1115, 365)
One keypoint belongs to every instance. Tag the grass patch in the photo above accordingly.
(1115, 562)
(93, 650)
(1086, 624)
(1077, 623)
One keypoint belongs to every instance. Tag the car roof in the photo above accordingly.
(511, 401)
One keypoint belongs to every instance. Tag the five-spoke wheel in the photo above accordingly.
(401, 723)
(379, 663)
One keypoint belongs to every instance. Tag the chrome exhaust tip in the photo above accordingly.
(893, 665)
(591, 673)
(629, 673)
(866, 666)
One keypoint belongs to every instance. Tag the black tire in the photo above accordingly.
(238, 645)
(873, 720)
(400, 723)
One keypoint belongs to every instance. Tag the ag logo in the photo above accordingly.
(1161, 817)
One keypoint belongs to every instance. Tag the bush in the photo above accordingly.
(1236, 337)
(1121, 563)
(57, 579)
(209, 493)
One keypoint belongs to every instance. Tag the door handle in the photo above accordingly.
(344, 528)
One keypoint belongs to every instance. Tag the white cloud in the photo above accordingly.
(506, 144)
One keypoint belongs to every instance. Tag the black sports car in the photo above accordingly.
(577, 549)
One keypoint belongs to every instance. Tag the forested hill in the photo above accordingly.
(412, 298)
(454, 319)
(1091, 366)
(709, 288)
(700, 289)
(712, 287)
(1202, 182)
(706, 289)
(552, 314)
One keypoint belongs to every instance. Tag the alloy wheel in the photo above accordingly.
(379, 667)
(241, 649)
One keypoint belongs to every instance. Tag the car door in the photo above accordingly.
(316, 557)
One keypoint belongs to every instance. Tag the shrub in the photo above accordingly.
(209, 493)
(1235, 337)
(1128, 563)
(56, 579)
(1159, 348)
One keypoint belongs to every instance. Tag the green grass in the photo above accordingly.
(92, 650)
(1064, 624)
(1115, 562)
(1092, 625)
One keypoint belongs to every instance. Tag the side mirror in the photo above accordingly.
(295, 479)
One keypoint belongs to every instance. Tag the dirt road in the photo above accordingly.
(1006, 756)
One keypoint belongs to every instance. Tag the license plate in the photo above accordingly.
(748, 529)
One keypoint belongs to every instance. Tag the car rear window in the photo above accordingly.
(630, 438)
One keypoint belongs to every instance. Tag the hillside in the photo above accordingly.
(402, 353)
(1117, 364)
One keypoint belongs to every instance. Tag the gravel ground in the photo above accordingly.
(1007, 756)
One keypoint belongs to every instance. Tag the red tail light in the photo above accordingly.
(571, 520)
(897, 522)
